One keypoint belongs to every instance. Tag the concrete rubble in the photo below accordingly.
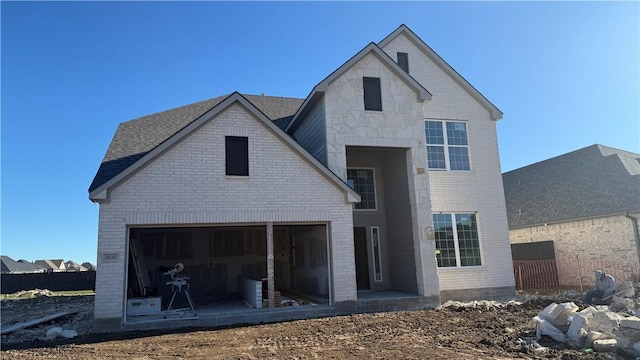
(54, 332)
(602, 328)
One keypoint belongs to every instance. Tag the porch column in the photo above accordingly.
(270, 278)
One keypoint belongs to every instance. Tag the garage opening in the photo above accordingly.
(224, 268)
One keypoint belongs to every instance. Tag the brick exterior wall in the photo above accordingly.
(479, 190)
(187, 185)
(583, 246)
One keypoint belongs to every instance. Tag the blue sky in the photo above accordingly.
(566, 75)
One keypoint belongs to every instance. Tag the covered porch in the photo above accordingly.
(383, 223)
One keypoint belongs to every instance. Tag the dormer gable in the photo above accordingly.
(318, 91)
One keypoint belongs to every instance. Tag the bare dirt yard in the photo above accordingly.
(485, 330)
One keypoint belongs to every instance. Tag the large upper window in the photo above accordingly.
(372, 93)
(447, 145)
(457, 243)
(237, 155)
(361, 180)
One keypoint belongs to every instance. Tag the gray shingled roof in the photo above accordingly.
(135, 138)
(8, 265)
(586, 183)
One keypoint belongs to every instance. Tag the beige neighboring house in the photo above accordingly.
(54, 265)
(588, 203)
(380, 190)
(74, 266)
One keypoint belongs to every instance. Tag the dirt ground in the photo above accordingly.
(484, 331)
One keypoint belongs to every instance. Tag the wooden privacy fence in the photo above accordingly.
(54, 281)
(535, 274)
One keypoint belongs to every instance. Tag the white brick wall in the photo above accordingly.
(479, 190)
(187, 185)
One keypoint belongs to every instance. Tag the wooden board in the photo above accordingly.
(11, 328)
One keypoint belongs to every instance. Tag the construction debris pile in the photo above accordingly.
(600, 328)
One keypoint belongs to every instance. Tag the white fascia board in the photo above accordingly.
(98, 196)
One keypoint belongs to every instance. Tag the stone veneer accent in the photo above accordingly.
(399, 124)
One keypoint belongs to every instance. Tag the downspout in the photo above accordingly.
(634, 221)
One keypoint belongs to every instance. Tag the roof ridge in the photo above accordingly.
(573, 152)
(175, 108)
(271, 96)
(608, 150)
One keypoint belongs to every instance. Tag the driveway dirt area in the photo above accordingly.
(480, 330)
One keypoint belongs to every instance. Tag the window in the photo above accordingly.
(237, 155)
(447, 145)
(361, 180)
(377, 258)
(372, 94)
(457, 244)
(403, 61)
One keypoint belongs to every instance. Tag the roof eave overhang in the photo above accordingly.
(101, 193)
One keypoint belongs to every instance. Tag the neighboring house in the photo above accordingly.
(51, 265)
(588, 203)
(384, 183)
(74, 266)
(10, 266)
(89, 266)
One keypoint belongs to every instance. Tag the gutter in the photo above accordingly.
(634, 221)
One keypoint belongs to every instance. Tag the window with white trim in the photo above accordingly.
(362, 181)
(457, 242)
(447, 145)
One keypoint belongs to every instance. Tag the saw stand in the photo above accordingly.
(180, 284)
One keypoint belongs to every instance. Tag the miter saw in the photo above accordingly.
(179, 284)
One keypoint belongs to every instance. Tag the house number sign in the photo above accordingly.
(110, 257)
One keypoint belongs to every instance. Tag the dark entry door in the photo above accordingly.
(362, 265)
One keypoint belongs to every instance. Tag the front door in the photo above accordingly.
(362, 263)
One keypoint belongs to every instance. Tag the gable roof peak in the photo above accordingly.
(137, 137)
(371, 48)
(496, 114)
(101, 192)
